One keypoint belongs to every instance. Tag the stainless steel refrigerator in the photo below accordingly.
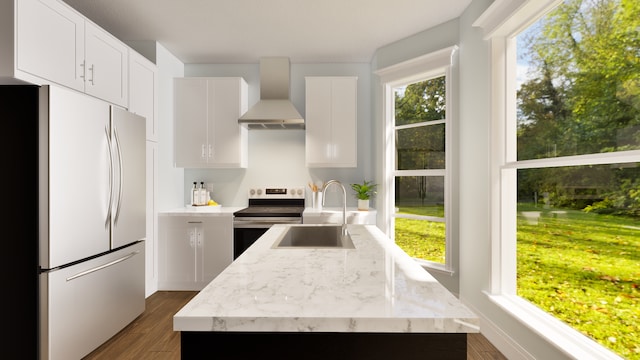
(88, 245)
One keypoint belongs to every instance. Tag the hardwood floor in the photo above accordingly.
(151, 335)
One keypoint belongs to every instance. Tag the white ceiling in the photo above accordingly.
(242, 31)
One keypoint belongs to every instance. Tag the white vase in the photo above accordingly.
(363, 204)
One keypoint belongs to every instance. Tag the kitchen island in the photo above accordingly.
(318, 303)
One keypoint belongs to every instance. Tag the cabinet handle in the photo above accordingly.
(82, 73)
(192, 235)
(199, 238)
(210, 151)
(203, 155)
(93, 74)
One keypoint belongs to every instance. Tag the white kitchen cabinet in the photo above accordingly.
(53, 43)
(193, 250)
(106, 63)
(206, 130)
(143, 81)
(331, 121)
(49, 42)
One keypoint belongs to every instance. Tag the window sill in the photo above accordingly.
(434, 267)
(555, 332)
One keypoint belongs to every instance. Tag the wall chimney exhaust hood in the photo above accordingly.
(274, 110)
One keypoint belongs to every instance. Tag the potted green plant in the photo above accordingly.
(364, 192)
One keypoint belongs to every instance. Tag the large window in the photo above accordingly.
(568, 162)
(417, 190)
(420, 163)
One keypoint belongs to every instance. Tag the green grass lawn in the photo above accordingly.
(421, 239)
(583, 268)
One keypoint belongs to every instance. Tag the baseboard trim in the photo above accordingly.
(501, 340)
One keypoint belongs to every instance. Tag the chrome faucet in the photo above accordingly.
(344, 202)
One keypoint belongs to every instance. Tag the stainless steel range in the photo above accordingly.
(267, 206)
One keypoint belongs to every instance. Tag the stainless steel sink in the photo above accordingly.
(314, 236)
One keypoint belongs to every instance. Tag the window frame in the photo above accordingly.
(501, 22)
(433, 65)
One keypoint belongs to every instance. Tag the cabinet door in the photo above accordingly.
(318, 143)
(178, 237)
(142, 91)
(226, 138)
(106, 62)
(50, 42)
(343, 122)
(331, 119)
(215, 252)
(191, 148)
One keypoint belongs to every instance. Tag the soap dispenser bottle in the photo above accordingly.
(194, 194)
(203, 194)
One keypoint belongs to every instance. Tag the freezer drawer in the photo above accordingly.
(84, 305)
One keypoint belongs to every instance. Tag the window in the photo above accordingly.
(416, 196)
(566, 155)
(420, 164)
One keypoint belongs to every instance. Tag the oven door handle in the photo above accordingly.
(261, 224)
(251, 225)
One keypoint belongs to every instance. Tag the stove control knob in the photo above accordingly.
(299, 192)
(259, 191)
(252, 192)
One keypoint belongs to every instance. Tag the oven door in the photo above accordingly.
(247, 230)
(245, 236)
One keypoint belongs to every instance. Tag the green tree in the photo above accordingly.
(584, 95)
(420, 147)
(591, 51)
(421, 101)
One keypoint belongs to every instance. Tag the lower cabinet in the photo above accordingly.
(193, 250)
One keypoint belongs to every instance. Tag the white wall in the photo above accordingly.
(276, 157)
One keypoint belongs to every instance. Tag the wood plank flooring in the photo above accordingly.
(151, 335)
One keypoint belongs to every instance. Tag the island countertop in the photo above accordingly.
(375, 287)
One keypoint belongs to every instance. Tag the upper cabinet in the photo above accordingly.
(105, 65)
(206, 130)
(46, 41)
(331, 121)
(143, 79)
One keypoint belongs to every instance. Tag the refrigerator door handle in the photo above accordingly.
(121, 182)
(98, 268)
(110, 152)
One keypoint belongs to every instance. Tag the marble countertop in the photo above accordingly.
(375, 287)
(334, 210)
(201, 210)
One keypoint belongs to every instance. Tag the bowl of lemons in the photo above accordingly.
(212, 205)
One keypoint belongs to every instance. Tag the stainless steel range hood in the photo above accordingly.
(274, 110)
